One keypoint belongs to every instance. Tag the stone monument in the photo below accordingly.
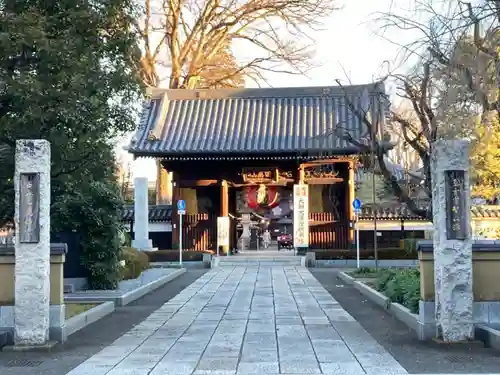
(452, 240)
(32, 243)
(141, 215)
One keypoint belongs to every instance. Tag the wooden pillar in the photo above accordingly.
(175, 216)
(301, 174)
(224, 205)
(351, 195)
(163, 184)
(224, 198)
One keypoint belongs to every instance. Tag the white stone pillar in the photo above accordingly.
(452, 240)
(32, 243)
(141, 215)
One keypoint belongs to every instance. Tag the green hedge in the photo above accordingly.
(173, 255)
(401, 286)
(93, 210)
(136, 262)
(383, 254)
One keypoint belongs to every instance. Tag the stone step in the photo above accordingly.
(259, 261)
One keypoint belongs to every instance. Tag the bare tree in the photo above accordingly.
(418, 130)
(185, 35)
(460, 36)
(451, 82)
(403, 154)
(221, 71)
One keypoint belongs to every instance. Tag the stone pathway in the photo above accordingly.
(246, 320)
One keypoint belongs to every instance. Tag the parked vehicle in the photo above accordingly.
(285, 241)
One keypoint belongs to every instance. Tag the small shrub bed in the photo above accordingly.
(401, 286)
(136, 262)
(365, 272)
(383, 254)
(173, 255)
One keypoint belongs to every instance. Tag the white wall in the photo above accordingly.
(155, 227)
(395, 225)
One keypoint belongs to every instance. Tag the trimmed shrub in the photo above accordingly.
(383, 279)
(93, 210)
(401, 286)
(365, 271)
(136, 262)
(173, 255)
(383, 254)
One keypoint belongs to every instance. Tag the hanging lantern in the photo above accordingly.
(262, 196)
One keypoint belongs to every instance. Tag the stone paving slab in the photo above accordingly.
(243, 321)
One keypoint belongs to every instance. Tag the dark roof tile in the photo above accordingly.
(255, 120)
(156, 213)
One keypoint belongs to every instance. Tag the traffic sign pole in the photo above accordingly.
(356, 204)
(181, 210)
(357, 238)
(180, 239)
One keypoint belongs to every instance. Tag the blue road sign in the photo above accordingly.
(181, 212)
(356, 204)
(181, 205)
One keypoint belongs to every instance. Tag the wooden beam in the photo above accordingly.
(315, 163)
(194, 183)
(279, 183)
(323, 181)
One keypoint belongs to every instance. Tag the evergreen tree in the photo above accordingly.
(68, 75)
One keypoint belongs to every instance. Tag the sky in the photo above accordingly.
(348, 49)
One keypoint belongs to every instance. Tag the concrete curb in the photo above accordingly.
(404, 314)
(373, 295)
(397, 310)
(488, 335)
(147, 288)
(351, 263)
(129, 296)
(88, 317)
(346, 278)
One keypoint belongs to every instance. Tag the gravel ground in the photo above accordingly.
(94, 337)
(415, 356)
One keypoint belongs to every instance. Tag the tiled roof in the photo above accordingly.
(156, 213)
(400, 212)
(485, 211)
(394, 212)
(259, 120)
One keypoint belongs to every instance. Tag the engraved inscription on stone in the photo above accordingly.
(456, 223)
(29, 208)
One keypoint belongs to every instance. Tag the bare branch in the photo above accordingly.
(190, 33)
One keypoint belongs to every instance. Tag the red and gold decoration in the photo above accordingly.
(262, 196)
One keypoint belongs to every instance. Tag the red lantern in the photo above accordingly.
(262, 197)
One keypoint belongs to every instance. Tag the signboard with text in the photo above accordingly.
(29, 208)
(301, 216)
(222, 231)
(456, 210)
